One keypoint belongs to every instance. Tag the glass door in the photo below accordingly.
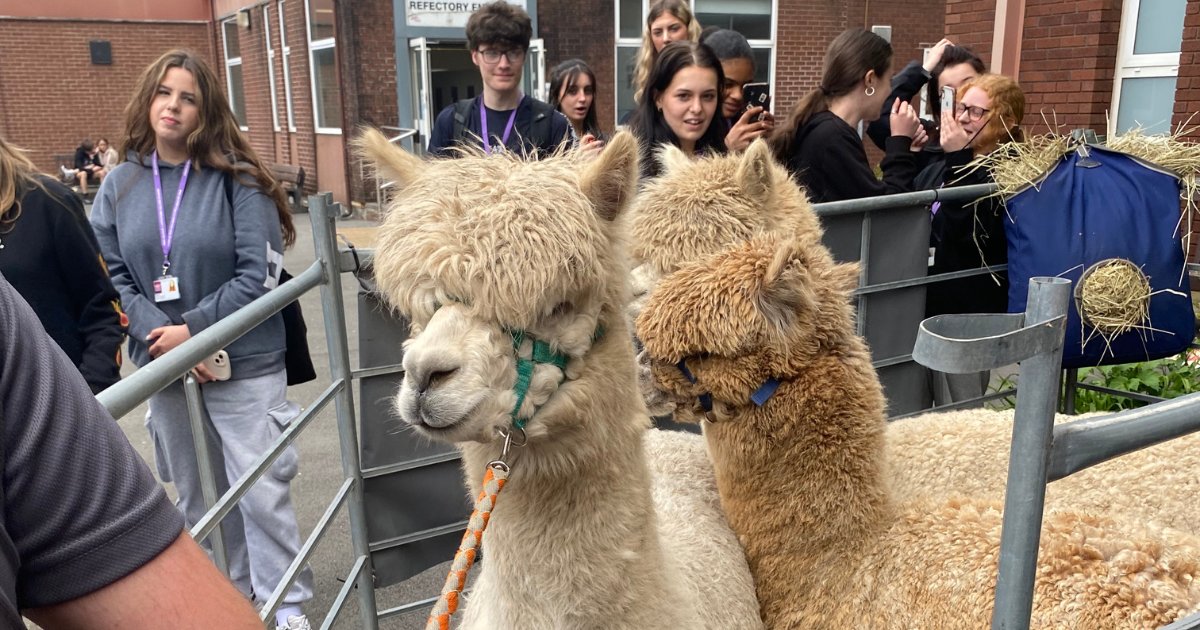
(422, 106)
(535, 83)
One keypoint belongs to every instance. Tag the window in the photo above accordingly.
(233, 70)
(327, 101)
(270, 66)
(287, 70)
(1147, 65)
(752, 18)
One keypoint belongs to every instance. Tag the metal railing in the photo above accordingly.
(325, 273)
(1041, 451)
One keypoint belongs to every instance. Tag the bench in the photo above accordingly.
(291, 179)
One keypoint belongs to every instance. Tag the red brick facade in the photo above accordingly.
(52, 96)
(1187, 87)
(368, 71)
(589, 35)
(1068, 56)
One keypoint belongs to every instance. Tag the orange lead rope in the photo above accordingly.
(493, 481)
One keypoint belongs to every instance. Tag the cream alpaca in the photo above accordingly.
(582, 536)
(803, 477)
(965, 453)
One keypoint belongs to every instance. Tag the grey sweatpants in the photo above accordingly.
(244, 417)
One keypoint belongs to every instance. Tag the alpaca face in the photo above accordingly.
(753, 312)
(478, 247)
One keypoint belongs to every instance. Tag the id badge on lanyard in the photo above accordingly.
(166, 287)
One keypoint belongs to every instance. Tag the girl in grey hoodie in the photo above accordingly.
(193, 227)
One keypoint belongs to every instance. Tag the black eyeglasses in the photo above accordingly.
(491, 55)
(974, 112)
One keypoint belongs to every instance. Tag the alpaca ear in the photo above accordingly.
(754, 171)
(786, 288)
(611, 179)
(391, 162)
(672, 158)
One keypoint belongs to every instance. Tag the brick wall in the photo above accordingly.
(368, 71)
(1187, 86)
(1068, 56)
(53, 97)
(283, 146)
(588, 35)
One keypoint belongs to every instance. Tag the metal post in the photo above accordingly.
(864, 260)
(1072, 378)
(208, 481)
(1025, 494)
(325, 237)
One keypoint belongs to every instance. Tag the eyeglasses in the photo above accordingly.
(974, 112)
(491, 55)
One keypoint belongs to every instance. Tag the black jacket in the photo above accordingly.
(52, 259)
(828, 159)
(905, 86)
(966, 235)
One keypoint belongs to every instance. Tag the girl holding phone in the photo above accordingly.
(744, 123)
(819, 143)
(193, 227)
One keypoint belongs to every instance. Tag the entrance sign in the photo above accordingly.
(451, 13)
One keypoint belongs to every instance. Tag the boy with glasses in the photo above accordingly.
(498, 35)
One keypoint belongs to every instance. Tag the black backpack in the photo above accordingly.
(539, 127)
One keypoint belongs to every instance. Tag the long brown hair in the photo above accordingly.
(217, 142)
(646, 54)
(1007, 111)
(847, 60)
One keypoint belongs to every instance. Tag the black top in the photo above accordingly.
(80, 508)
(830, 162)
(52, 259)
(905, 86)
(520, 140)
(967, 235)
(84, 159)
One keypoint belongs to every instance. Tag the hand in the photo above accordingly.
(952, 135)
(935, 54)
(745, 131)
(164, 338)
(904, 120)
(591, 145)
(202, 374)
(919, 140)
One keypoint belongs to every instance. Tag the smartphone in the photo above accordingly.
(947, 104)
(218, 365)
(757, 95)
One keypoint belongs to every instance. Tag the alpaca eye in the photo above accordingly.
(560, 309)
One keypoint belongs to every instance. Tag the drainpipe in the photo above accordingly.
(1007, 36)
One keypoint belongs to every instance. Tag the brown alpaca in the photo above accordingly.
(802, 477)
(594, 528)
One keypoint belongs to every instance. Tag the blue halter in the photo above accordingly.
(759, 397)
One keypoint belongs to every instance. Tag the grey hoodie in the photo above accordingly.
(218, 254)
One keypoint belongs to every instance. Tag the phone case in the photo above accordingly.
(947, 104)
(757, 95)
(218, 365)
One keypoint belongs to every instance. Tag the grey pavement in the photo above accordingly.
(320, 461)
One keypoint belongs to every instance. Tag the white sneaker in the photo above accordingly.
(296, 622)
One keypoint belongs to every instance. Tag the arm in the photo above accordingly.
(899, 165)
(843, 162)
(96, 300)
(255, 225)
(180, 587)
(144, 316)
(905, 86)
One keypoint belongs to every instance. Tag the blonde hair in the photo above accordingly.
(1007, 111)
(17, 174)
(647, 55)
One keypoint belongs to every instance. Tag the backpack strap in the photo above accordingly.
(462, 109)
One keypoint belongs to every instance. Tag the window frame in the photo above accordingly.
(266, 11)
(286, 53)
(1138, 66)
(636, 42)
(230, 62)
(314, 47)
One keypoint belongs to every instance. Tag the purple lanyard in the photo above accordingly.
(167, 234)
(512, 118)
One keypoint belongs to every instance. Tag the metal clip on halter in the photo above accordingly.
(499, 463)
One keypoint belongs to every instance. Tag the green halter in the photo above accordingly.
(542, 354)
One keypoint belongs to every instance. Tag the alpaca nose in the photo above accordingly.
(424, 377)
